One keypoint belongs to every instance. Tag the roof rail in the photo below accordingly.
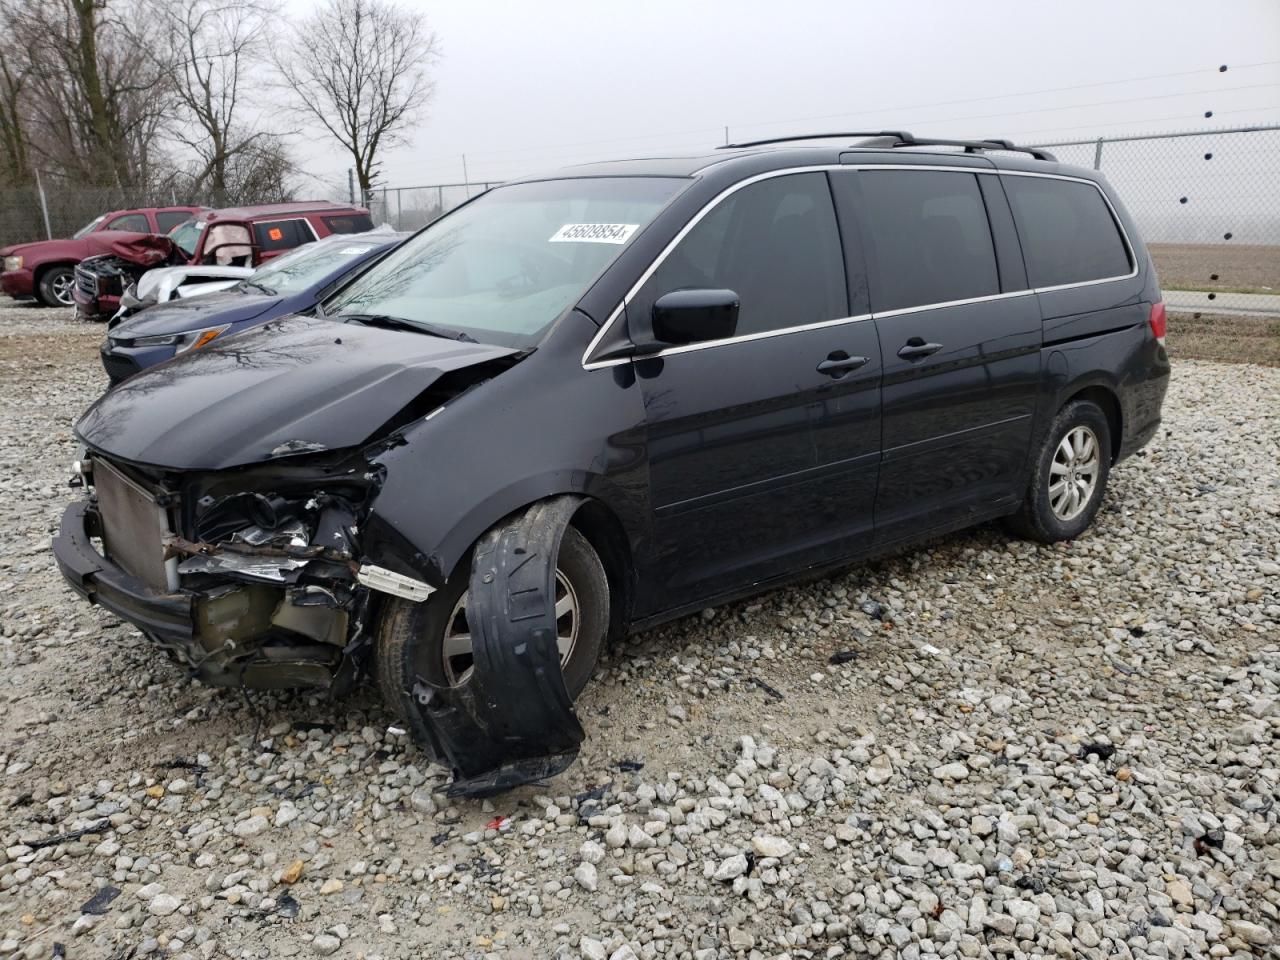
(975, 146)
(901, 138)
(898, 134)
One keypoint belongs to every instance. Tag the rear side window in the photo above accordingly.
(348, 223)
(281, 234)
(1067, 231)
(131, 222)
(775, 244)
(930, 241)
(166, 220)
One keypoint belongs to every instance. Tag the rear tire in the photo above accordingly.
(1069, 476)
(56, 287)
(412, 637)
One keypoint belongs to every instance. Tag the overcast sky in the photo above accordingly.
(528, 86)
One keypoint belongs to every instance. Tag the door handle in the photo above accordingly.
(917, 349)
(839, 363)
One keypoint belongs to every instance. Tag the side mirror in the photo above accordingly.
(695, 316)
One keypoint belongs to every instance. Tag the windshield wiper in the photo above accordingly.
(399, 323)
(258, 286)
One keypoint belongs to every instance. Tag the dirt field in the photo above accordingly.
(1230, 268)
(1225, 339)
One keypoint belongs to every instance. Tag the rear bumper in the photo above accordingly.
(167, 616)
(18, 283)
(1141, 404)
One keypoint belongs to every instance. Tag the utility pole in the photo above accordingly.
(44, 206)
(351, 185)
(726, 135)
(466, 181)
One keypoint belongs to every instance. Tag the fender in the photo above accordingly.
(527, 434)
(396, 537)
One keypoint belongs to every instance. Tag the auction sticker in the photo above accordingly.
(594, 233)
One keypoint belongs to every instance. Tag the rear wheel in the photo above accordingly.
(432, 640)
(1069, 476)
(56, 287)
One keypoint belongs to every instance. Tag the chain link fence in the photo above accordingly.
(1207, 203)
(23, 215)
(1208, 206)
(409, 208)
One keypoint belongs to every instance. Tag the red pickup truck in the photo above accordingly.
(45, 269)
(238, 236)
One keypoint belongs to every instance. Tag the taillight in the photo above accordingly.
(1158, 320)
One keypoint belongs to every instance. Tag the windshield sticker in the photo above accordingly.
(594, 233)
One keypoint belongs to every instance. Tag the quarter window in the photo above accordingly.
(929, 238)
(1067, 231)
(775, 244)
(281, 234)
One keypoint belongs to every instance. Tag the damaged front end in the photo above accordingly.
(257, 573)
(116, 261)
(267, 563)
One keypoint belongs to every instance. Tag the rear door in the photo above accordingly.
(762, 448)
(960, 339)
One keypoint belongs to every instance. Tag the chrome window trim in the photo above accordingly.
(781, 331)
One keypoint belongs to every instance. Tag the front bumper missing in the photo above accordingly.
(166, 616)
(512, 723)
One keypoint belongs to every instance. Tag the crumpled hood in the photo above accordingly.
(207, 310)
(144, 249)
(290, 386)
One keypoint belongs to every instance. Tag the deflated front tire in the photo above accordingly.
(432, 640)
(508, 718)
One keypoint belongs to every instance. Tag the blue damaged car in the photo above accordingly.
(290, 284)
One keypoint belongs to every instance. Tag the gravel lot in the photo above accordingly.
(983, 748)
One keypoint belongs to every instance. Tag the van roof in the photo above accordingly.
(773, 155)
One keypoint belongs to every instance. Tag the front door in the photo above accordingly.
(763, 448)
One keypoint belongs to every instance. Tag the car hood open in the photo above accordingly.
(293, 386)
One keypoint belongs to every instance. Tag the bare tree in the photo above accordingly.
(94, 93)
(359, 68)
(217, 49)
(14, 164)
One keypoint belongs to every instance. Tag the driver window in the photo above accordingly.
(775, 244)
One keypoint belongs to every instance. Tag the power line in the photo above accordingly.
(554, 154)
(831, 116)
(1006, 96)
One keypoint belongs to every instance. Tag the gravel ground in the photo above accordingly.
(982, 748)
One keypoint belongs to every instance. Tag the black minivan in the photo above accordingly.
(595, 400)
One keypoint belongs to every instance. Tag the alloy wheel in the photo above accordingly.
(1073, 475)
(457, 648)
(62, 289)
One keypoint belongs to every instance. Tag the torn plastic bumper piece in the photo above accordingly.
(512, 721)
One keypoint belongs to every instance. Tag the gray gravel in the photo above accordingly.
(1026, 751)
